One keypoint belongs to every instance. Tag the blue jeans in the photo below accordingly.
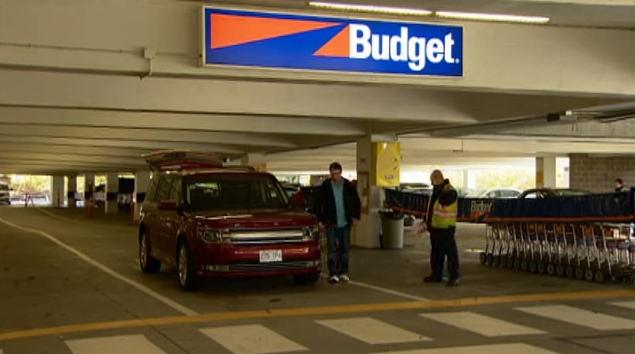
(338, 245)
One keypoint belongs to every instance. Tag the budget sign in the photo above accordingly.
(290, 41)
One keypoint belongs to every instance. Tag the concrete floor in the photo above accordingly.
(72, 285)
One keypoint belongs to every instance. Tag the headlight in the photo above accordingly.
(209, 235)
(311, 232)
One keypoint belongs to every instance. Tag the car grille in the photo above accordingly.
(265, 237)
(248, 267)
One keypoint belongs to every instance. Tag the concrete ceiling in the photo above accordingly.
(76, 94)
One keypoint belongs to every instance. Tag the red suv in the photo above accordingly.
(215, 221)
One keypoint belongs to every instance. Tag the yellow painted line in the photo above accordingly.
(313, 311)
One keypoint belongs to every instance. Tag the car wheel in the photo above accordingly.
(187, 278)
(306, 279)
(147, 263)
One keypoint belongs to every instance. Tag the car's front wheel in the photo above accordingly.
(188, 280)
(147, 263)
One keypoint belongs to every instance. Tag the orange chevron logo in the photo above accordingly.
(338, 46)
(231, 30)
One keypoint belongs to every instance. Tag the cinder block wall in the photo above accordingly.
(598, 173)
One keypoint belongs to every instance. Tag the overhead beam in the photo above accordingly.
(74, 158)
(135, 144)
(144, 134)
(384, 103)
(229, 122)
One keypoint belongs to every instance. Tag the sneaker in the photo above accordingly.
(334, 279)
(345, 278)
(431, 279)
(453, 282)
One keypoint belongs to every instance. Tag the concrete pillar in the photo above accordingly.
(71, 191)
(141, 183)
(257, 161)
(89, 187)
(112, 190)
(366, 232)
(546, 172)
(57, 191)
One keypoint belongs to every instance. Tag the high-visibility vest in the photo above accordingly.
(444, 217)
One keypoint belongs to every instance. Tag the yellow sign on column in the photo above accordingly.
(387, 163)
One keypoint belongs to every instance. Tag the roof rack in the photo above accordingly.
(176, 160)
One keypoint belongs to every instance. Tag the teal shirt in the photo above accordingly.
(338, 193)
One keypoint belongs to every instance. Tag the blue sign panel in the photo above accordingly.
(264, 39)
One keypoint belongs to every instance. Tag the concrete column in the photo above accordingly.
(89, 187)
(57, 191)
(141, 183)
(71, 191)
(366, 232)
(546, 172)
(257, 161)
(112, 189)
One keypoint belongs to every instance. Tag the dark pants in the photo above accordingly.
(338, 245)
(434, 250)
(445, 249)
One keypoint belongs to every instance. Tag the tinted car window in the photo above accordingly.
(152, 189)
(219, 192)
(176, 190)
(164, 188)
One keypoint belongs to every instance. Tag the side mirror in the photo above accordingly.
(168, 205)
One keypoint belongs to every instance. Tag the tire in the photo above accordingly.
(599, 276)
(589, 274)
(147, 263)
(560, 270)
(570, 271)
(185, 275)
(541, 268)
(524, 265)
(517, 263)
(496, 262)
(510, 262)
(533, 266)
(490, 260)
(482, 257)
(579, 273)
(306, 279)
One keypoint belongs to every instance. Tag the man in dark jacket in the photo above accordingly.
(337, 210)
(441, 223)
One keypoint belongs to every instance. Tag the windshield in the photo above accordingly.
(233, 192)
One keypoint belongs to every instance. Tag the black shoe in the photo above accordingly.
(453, 282)
(432, 279)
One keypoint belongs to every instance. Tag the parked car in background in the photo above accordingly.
(501, 193)
(5, 194)
(540, 193)
(215, 221)
(290, 189)
(415, 188)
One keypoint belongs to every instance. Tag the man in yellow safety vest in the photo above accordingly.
(441, 223)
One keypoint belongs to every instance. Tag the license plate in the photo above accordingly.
(270, 256)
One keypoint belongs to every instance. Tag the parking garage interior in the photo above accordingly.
(535, 94)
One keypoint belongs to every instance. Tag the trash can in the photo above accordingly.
(392, 229)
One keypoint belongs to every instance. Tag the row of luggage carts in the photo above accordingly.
(583, 237)
(587, 251)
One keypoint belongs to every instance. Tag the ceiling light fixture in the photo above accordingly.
(369, 8)
(492, 17)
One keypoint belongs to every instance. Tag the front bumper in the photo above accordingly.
(227, 260)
